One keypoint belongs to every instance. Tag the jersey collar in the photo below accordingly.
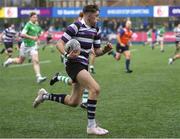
(31, 22)
(83, 22)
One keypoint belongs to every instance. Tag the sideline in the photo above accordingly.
(28, 64)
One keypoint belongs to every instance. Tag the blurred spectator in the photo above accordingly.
(51, 28)
(57, 23)
(64, 23)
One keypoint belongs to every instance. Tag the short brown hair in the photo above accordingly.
(32, 13)
(81, 14)
(90, 8)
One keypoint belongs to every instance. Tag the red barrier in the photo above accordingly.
(55, 36)
(137, 36)
(142, 37)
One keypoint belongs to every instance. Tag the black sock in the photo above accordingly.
(127, 64)
(113, 54)
(91, 109)
(57, 97)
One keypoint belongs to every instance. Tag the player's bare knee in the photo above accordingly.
(19, 61)
(117, 58)
(96, 90)
(128, 56)
(73, 102)
(74, 105)
(35, 61)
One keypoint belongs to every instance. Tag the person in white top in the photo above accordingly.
(8, 37)
(176, 54)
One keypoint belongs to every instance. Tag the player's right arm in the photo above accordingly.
(71, 54)
(60, 46)
(71, 30)
(25, 31)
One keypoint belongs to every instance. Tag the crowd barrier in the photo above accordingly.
(137, 36)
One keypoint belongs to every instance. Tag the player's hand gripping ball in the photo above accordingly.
(73, 48)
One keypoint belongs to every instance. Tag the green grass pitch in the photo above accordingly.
(145, 103)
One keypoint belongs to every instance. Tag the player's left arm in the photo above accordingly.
(1, 36)
(104, 50)
(97, 45)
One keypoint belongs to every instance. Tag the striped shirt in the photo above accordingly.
(87, 36)
(9, 34)
(177, 33)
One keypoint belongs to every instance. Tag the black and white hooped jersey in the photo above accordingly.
(9, 34)
(87, 36)
(177, 33)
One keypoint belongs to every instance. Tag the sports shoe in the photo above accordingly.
(54, 79)
(41, 79)
(129, 71)
(39, 99)
(97, 131)
(162, 50)
(7, 62)
(83, 105)
(170, 61)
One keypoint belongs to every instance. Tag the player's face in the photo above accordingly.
(34, 18)
(128, 24)
(93, 18)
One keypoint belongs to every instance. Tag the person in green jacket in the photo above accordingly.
(30, 35)
(160, 37)
(149, 38)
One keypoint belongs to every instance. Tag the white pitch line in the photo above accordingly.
(133, 50)
(28, 64)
